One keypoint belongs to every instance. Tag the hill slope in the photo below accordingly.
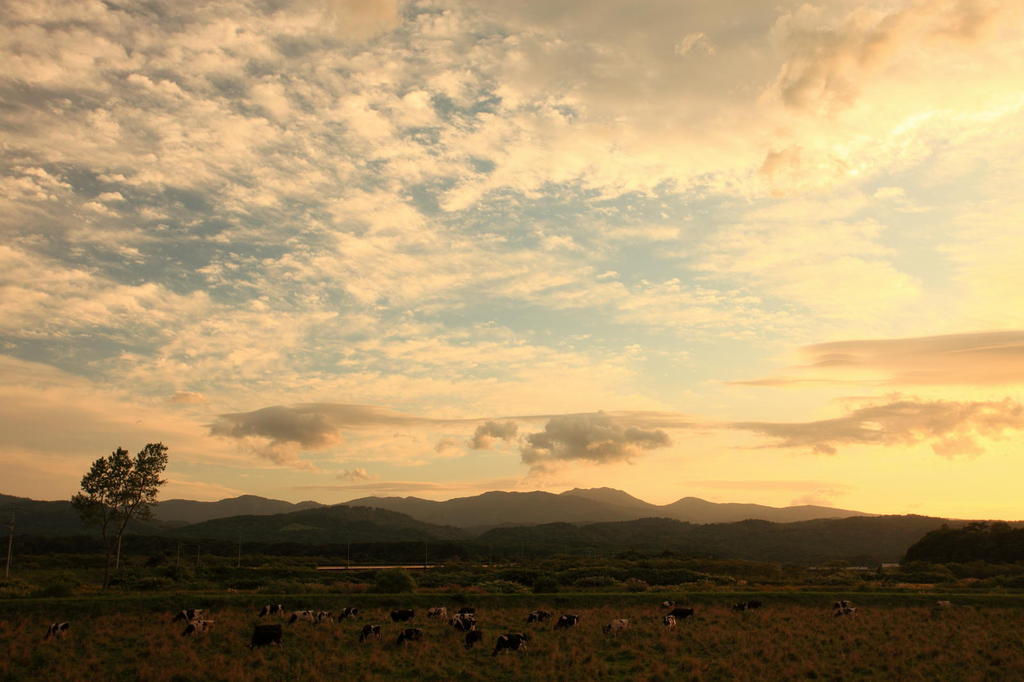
(191, 511)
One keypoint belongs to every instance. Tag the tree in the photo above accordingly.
(394, 581)
(117, 489)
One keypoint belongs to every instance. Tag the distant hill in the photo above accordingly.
(503, 508)
(337, 524)
(190, 511)
(994, 542)
(38, 517)
(495, 509)
(863, 539)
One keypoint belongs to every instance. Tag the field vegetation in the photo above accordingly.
(785, 639)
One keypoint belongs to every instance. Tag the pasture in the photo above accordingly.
(783, 640)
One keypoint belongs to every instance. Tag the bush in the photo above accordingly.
(393, 581)
(636, 585)
(502, 587)
(545, 584)
(153, 582)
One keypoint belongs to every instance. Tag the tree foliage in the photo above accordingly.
(117, 489)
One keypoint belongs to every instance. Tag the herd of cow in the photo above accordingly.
(464, 620)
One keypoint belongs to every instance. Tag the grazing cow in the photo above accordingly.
(321, 617)
(305, 615)
(409, 635)
(842, 604)
(197, 627)
(617, 625)
(538, 616)
(681, 613)
(741, 606)
(843, 608)
(57, 630)
(567, 621)
(513, 641)
(473, 637)
(262, 635)
(188, 615)
(754, 604)
(402, 615)
(747, 605)
(348, 612)
(667, 604)
(271, 610)
(369, 632)
(669, 621)
(437, 612)
(463, 623)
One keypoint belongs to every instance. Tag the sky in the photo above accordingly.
(325, 249)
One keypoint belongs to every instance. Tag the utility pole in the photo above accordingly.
(10, 547)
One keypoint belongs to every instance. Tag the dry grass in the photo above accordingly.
(774, 643)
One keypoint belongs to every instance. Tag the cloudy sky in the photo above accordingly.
(746, 251)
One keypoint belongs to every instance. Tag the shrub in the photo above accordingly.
(545, 584)
(393, 581)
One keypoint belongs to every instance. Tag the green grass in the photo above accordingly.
(793, 637)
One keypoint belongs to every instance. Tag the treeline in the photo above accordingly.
(993, 542)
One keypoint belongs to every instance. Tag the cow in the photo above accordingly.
(943, 604)
(513, 641)
(567, 621)
(754, 604)
(669, 621)
(617, 625)
(842, 604)
(844, 608)
(667, 604)
(746, 605)
(305, 615)
(681, 613)
(57, 630)
(197, 627)
(473, 637)
(262, 635)
(321, 617)
(188, 615)
(538, 616)
(402, 614)
(271, 610)
(409, 635)
(463, 623)
(348, 612)
(369, 632)
(437, 612)
(741, 606)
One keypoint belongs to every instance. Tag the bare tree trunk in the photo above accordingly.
(117, 561)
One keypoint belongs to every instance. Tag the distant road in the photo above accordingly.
(411, 567)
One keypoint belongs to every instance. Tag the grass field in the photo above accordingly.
(784, 640)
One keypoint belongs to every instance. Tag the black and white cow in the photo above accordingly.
(348, 612)
(754, 604)
(402, 615)
(409, 635)
(513, 641)
(681, 613)
(197, 627)
(463, 623)
(437, 612)
(305, 615)
(669, 621)
(369, 632)
(473, 637)
(667, 604)
(57, 630)
(321, 617)
(262, 635)
(272, 610)
(188, 615)
(538, 616)
(567, 621)
(617, 625)
(843, 607)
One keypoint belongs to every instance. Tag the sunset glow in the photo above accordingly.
(324, 249)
